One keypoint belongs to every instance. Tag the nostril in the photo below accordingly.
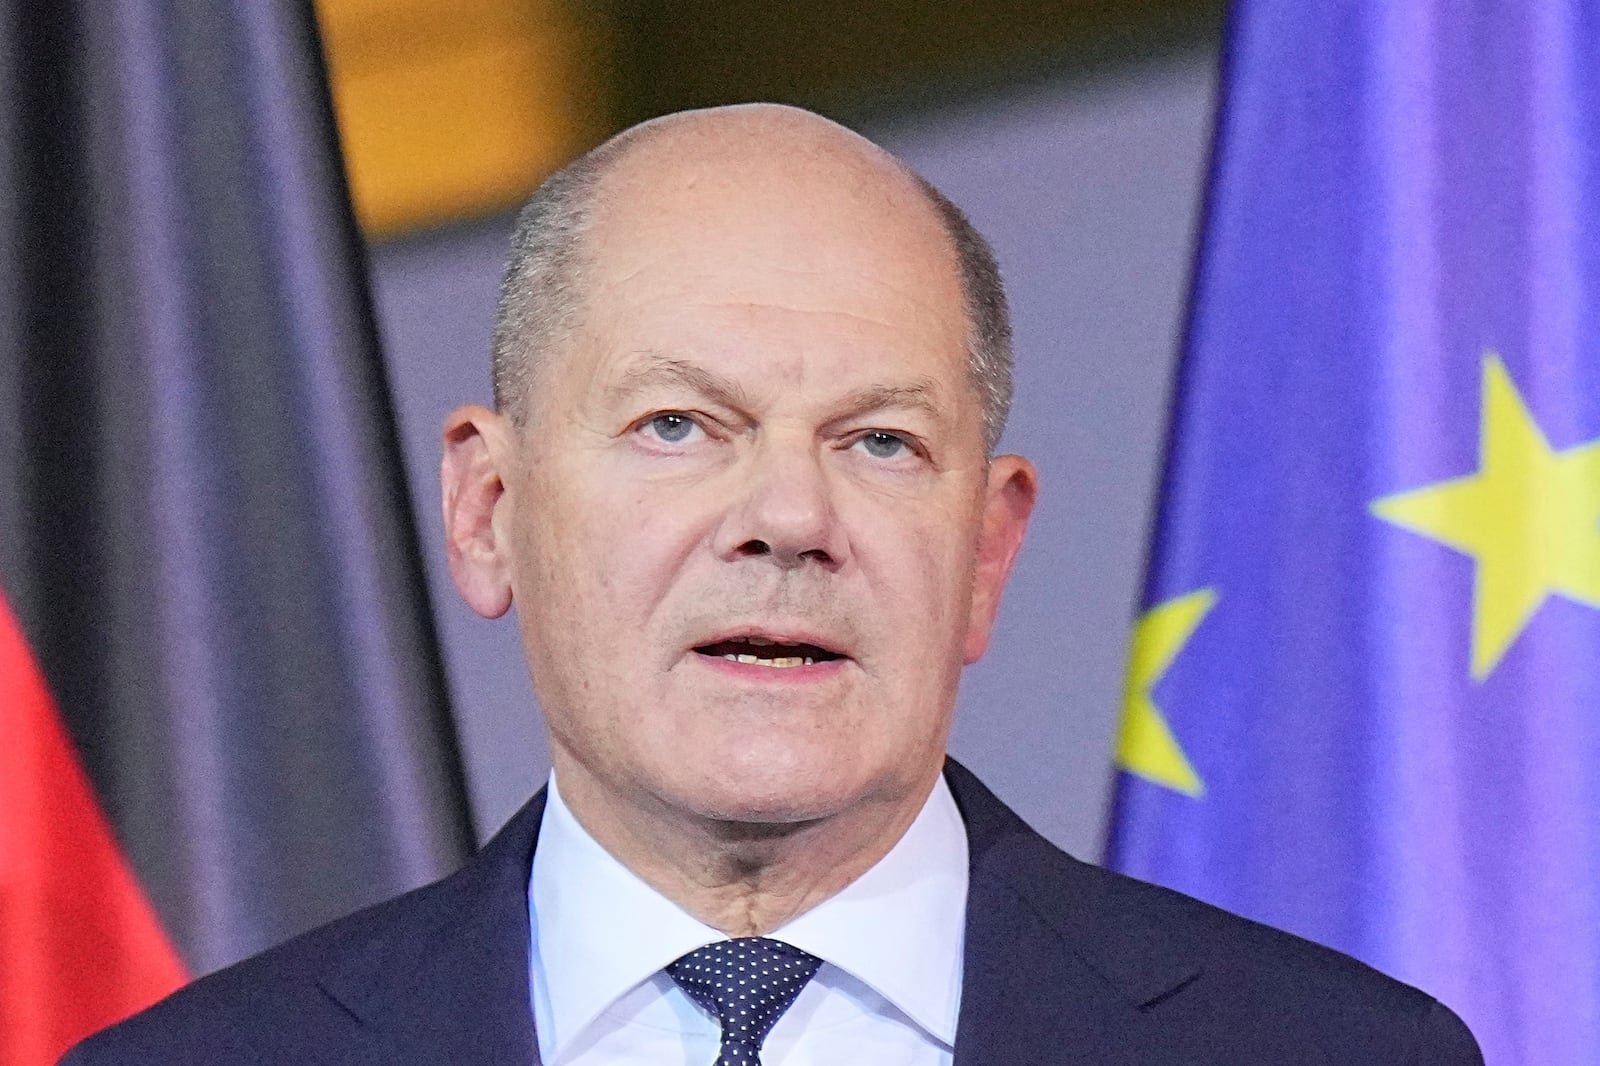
(755, 547)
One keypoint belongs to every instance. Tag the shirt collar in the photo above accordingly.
(598, 930)
(900, 926)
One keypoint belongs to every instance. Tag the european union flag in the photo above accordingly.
(1364, 698)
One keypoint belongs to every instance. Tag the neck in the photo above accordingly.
(743, 878)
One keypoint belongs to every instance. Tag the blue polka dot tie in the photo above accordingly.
(747, 983)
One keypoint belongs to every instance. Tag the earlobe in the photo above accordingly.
(473, 487)
(1013, 487)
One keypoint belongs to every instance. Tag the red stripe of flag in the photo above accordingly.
(80, 944)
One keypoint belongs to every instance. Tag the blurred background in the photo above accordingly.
(1073, 132)
(235, 679)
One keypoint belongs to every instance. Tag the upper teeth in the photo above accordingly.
(785, 661)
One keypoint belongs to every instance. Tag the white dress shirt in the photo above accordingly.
(888, 991)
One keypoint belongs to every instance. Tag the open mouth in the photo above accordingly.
(759, 651)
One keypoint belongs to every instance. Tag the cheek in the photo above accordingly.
(921, 567)
(605, 563)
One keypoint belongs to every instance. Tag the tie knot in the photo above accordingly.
(747, 983)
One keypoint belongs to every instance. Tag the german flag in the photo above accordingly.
(222, 712)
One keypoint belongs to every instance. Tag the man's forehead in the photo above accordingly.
(770, 242)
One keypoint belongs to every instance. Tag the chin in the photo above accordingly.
(781, 787)
(770, 802)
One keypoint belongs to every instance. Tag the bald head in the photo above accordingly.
(754, 171)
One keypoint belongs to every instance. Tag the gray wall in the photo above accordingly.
(1088, 189)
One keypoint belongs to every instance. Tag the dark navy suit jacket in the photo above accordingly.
(1065, 963)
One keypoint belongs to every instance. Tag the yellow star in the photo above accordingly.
(1530, 519)
(1145, 744)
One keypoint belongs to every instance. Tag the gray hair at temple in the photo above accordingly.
(541, 296)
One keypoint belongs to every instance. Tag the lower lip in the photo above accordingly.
(758, 674)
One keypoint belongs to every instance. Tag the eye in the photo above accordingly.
(883, 445)
(671, 427)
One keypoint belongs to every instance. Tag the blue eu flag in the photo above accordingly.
(1364, 694)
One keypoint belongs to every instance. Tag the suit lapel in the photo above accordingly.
(1054, 970)
(449, 982)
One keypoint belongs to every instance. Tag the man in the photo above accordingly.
(740, 485)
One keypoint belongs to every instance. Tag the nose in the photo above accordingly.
(783, 510)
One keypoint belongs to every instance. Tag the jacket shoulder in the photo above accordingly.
(1189, 981)
(436, 974)
(269, 1007)
(1253, 976)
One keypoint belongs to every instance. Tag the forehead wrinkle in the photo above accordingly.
(768, 291)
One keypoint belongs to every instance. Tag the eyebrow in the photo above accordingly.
(662, 370)
(920, 395)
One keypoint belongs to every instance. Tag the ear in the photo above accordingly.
(477, 444)
(1008, 501)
